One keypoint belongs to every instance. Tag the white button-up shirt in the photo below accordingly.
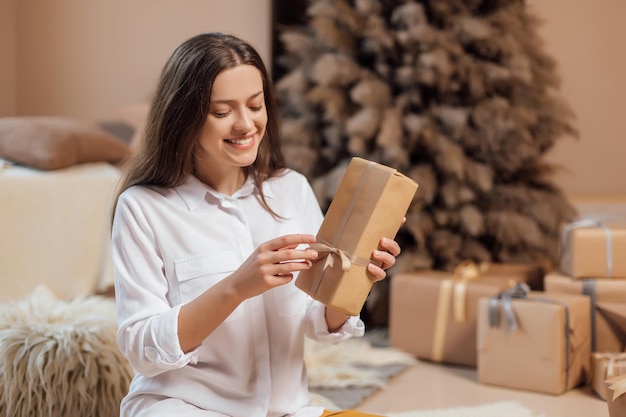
(170, 245)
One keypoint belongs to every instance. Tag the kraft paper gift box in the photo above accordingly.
(432, 314)
(370, 203)
(594, 247)
(615, 314)
(605, 294)
(534, 341)
(616, 392)
(605, 366)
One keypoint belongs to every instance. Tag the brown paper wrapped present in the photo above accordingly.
(369, 204)
(607, 335)
(432, 314)
(592, 247)
(616, 392)
(615, 314)
(605, 366)
(534, 341)
(530, 273)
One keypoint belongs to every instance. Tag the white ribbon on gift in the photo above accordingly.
(330, 252)
(589, 222)
(611, 358)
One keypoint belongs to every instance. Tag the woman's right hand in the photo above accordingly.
(272, 264)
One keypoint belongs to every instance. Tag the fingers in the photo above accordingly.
(377, 272)
(390, 246)
(383, 258)
(291, 255)
(288, 242)
(280, 257)
(285, 269)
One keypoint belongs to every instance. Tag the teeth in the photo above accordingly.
(239, 141)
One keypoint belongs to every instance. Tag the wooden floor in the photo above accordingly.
(426, 386)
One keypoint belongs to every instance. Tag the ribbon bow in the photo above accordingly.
(463, 273)
(519, 291)
(330, 253)
(453, 291)
(619, 388)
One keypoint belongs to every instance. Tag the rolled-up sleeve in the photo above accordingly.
(147, 324)
(317, 328)
(152, 346)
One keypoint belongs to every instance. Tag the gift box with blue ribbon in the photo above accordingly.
(534, 341)
(608, 334)
(594, 247)
(432, 314)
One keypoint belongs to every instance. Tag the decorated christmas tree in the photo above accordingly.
(457, 94)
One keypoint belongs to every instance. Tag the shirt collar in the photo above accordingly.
(193, 191)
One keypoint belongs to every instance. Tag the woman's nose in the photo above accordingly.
(244, 121)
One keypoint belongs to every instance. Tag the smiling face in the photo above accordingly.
(234, 127)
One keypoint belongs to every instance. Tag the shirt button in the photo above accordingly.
(151, 353)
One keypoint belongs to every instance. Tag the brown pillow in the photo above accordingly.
(49, 142)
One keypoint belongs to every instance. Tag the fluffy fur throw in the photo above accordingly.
(351, 363)
(60, 358)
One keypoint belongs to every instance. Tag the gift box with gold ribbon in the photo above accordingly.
(432, 314)
(608, 334)
(591, 247)
(605, 366)
(616, 392)
(369, 204)
(534, 341)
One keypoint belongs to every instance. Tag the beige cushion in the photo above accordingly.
(48, 142)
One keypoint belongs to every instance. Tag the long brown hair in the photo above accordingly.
(180, 106)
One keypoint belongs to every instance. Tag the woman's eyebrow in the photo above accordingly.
(232, 101)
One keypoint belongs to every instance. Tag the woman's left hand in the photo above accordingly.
(385, 256)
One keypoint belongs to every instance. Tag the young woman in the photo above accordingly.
(208, 236)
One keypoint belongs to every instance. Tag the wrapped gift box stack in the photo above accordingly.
(522, 327)
(593, 262)
(607, 303)
(528, 340)
(549, 334)
(432, 314)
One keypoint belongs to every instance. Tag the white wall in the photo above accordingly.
(87, 58)
(587, 40)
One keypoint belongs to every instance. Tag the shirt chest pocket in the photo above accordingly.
(197, 274)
